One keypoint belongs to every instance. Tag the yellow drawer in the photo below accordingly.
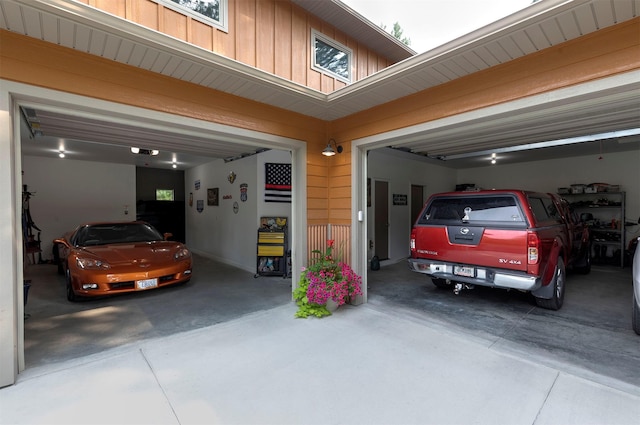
(270, 251)
(271, 238)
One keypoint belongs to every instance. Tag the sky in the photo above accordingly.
(432, 23)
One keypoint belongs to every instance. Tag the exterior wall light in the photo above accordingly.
(328, 151)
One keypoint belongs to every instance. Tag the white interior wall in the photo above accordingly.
(67, 193)
(401, 171)
(219, 233)
(621, 168)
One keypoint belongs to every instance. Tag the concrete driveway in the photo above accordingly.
(590, 336)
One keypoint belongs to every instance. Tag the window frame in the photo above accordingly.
(316, 35)
(222, 24)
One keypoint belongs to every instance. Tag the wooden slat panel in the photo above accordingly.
(265, 33)
(175, 24)
(246, 32)
(145, 13)
(315, 203)
(283, 47)
(115, 7)
(202, 34)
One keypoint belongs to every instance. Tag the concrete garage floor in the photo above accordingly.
(590, 335)
(57, 330)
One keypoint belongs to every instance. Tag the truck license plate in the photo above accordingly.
(146, 283)
(464, 271)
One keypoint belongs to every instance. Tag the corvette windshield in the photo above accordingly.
(105, 234)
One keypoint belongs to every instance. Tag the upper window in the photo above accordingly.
(212, 12)
(331, 57)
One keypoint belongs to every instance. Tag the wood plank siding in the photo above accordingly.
(271, 35)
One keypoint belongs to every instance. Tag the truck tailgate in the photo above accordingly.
(473, 245)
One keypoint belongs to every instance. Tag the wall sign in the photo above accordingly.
(399, 199)
(212, 196)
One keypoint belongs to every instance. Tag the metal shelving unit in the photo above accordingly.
(605, 215)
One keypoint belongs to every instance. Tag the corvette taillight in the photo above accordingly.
(533, 248)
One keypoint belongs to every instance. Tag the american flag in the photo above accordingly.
(277, 186)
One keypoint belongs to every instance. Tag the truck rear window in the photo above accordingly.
(454, 209)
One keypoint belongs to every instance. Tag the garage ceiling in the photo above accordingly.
(539, 26)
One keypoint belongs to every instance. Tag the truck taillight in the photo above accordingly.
(412, 240)
(533, 248)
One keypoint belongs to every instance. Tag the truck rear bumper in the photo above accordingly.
(483, 276)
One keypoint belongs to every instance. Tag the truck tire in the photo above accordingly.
(558, 282)
(584, 266)
(441, 283)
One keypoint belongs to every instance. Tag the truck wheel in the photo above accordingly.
(585, 264)
(635, 314)
(441, 283)
(558, 281)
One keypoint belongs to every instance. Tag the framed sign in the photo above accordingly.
(212, 196)
(399, 199)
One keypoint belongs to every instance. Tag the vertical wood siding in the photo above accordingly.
(271, 35)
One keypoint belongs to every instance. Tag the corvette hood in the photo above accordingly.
(143, 252)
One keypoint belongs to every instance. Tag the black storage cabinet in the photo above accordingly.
(272, 252)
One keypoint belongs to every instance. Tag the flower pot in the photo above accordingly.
(331, 305)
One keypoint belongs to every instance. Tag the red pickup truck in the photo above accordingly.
(510, 239)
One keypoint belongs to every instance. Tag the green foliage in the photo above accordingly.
(325, 280)
(305, 308)
(397, 33)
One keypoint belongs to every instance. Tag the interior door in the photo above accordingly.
(381, 226)
(417, 201)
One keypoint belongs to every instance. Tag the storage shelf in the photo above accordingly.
(271, 252)
(604, 251)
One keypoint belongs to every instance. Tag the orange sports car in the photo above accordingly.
(101, 259)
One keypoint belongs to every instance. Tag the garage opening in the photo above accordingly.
(597, 311)
(206, 185)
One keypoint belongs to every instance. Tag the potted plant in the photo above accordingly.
(325, 281)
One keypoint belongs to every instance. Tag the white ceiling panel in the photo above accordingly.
(585, 16)
(604, 11)
(160, 62)
(50, 28)
(552, 31)
(523, 43)
(97, 45)
(126, 47)
(81, 38)
(31, 19)
(569, 25)
(538, 37)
